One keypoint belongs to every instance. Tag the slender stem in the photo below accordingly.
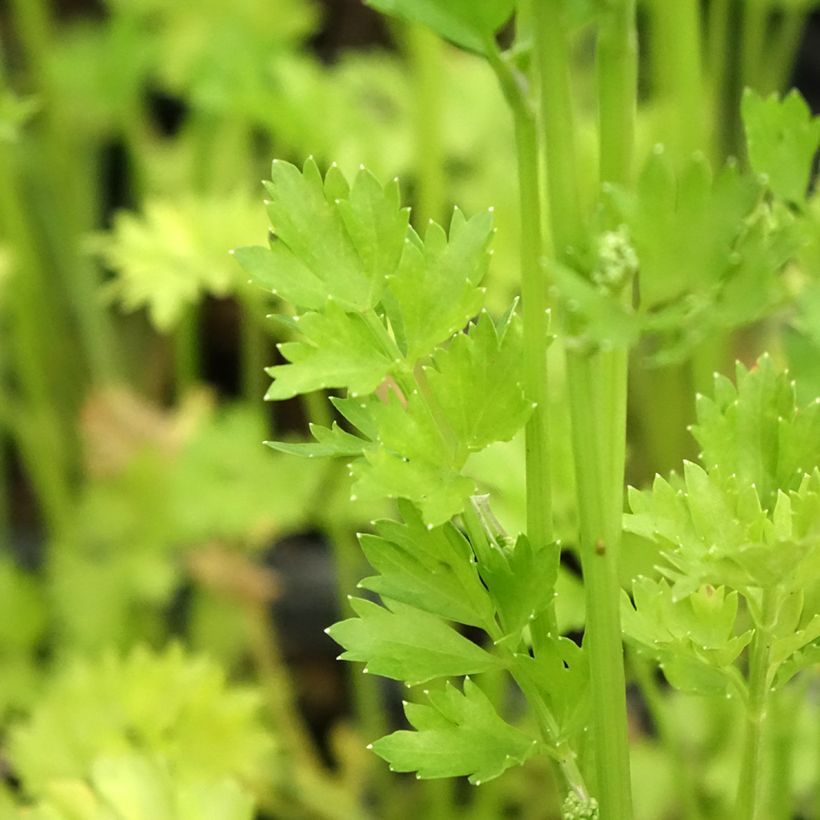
(561, 751)
(536, 334)
(750, 781)
(426, 54)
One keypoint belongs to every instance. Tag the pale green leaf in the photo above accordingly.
(783, 138)
(440, 493)
(337, 349)
(406, 644)
(332, 241)
(430, 569)
(458, 734)
(476, 382)
(435, 290)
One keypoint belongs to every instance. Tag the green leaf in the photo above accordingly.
(467, 399)
(167, 705)
(332, 241)
(406, 644)
(435, 290)
(692, 637)
(438, 491)
(520, 579)
(337, 350)
(476, 383)
(684, 226)
(471, 25)
(756, 431)
(560, 669)
(330, 441)
(430, 569)
(166, 257)
(783, 138)
(458, 734)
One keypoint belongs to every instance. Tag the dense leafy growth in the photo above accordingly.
(745, 524)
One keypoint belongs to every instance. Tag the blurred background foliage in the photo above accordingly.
(165, 579)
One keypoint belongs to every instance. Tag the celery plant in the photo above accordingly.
(656, 248)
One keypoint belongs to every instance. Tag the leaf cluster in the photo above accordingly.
(125, 724)
(697, 250)
(742, 526)
(431, 580)
(379, 312)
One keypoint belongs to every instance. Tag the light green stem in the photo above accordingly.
(597, 389)
(536, 333)
(676, 59)
(617, 64)
(749, 783)
(561, 751)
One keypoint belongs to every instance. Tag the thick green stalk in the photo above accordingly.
(597, 390)
(676, 59)
(750, 781)
(617, 69)
(425, 51)
(597, 381)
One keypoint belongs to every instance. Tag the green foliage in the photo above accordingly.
(472, 26)
(429, 569)
(23, 624)
(458, 734)
(392, 300)
(134, 787)
(693, 638)
(747, 524)
(174, 252)
(405, 643)
(783, 138)
(175, 712)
